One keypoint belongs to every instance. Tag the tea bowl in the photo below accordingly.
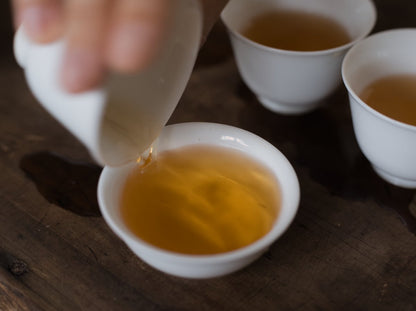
(388, 144)
(112, 181)
(294, 82)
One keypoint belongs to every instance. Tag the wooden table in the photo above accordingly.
(352, 245)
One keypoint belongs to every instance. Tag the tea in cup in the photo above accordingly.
(380, 76)
(211, 200)
(289, 53)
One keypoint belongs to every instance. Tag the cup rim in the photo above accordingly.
(345, 46)
(278, 228)
(354, 94)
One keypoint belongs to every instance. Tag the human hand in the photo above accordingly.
(102, 35)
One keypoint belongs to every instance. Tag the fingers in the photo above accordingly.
(17, 13)
(120, 35)
(135, 33)
(42, 19)
(86, 23)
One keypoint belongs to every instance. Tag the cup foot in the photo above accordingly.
(397, 181)
(287, 108)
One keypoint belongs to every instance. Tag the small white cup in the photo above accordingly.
(389, 145)
(120, 120)
(112, 181)
(294, 82)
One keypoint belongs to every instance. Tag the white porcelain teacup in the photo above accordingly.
(389, 145)
(112, 181)
(120, 119)
(294, 82)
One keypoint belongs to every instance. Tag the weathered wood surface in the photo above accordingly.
(349, 247)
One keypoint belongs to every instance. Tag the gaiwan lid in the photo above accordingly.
(120, 120)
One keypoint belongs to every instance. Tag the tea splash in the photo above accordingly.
(200, 200)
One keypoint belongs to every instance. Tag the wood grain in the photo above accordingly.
(351, 246)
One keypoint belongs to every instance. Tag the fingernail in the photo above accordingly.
(132, 46)
(41, 23)
(82, 69)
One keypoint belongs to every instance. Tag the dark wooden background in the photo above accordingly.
(352, 245)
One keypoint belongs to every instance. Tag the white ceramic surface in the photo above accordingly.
(389, 145)
(118, 121)
(291, 82)
(112, 180)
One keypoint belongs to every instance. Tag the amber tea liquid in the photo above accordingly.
(200, 200)
(394, 96)
(296, 31)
